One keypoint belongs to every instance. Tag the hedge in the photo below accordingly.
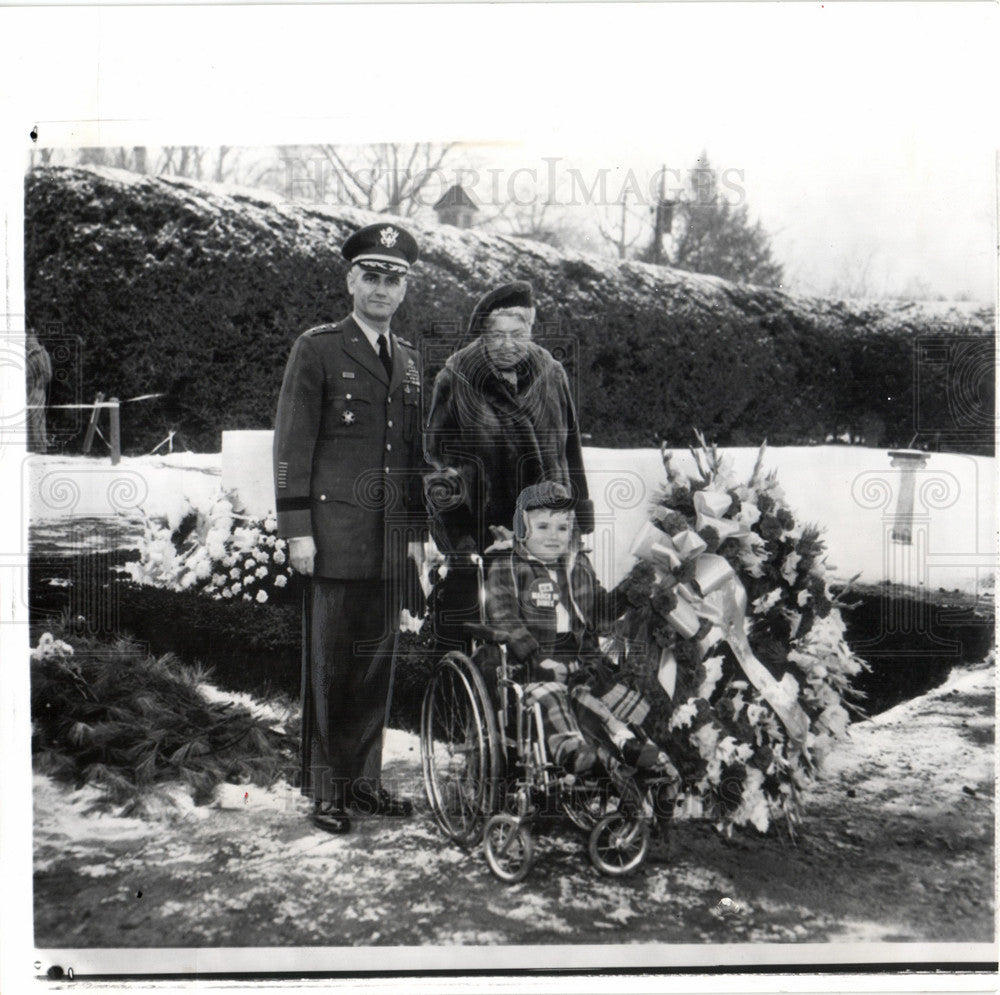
(146, 285)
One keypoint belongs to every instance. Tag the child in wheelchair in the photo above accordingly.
(545, 595)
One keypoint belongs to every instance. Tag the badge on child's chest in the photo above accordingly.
(543, 593)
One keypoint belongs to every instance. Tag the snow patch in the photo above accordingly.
(97, 871)
(280, 797)
(61, 812)
(532, 909)
(400, 745)
(261, 711)
(919, 756)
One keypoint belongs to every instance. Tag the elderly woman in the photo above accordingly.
(501, 418)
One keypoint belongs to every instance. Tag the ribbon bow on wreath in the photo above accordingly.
(715, 594)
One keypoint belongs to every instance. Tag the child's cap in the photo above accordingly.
(547, 494)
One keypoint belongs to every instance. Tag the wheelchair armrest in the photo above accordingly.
(486, 633)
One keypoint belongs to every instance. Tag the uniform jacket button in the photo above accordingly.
(388, 424)
(322, 497)
(388, 400)
(388, 447)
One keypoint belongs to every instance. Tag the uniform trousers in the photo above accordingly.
(347, 676)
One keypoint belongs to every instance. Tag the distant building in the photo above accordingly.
(456, 208)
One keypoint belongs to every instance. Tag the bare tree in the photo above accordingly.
(41, 157)
(117, 156)
(181, 160)
(620, 226)
(527, 214)
(392, 177)
(855, 278)
(220, 160)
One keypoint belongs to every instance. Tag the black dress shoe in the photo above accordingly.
(330, 818)
(366, 800)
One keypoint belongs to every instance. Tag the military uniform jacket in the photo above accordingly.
(347, 451)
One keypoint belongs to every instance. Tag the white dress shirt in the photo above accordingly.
(372, 334)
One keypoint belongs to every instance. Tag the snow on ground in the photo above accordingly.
(61, 487)
(62, 813)
(252, 871)
(936, 743)
(280, 797)
(267, 712)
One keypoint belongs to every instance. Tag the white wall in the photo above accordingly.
(849, 490)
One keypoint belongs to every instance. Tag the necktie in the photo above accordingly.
(383, 354)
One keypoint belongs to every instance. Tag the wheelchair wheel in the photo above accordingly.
(509, 848)
(459, 748)
(591, 799)
(619, 844)
(587, 802)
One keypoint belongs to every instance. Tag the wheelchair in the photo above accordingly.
(487, 775)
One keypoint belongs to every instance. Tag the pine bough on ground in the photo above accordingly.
(111, 716)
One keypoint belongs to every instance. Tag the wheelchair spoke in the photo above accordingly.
(458, 748)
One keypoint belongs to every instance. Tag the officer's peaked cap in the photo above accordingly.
(383, 247)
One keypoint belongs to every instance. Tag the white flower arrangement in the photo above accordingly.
(213, 549)
(50, 648)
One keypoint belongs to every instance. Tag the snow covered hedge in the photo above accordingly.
(178, 287)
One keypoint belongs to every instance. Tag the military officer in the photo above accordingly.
(347, 465)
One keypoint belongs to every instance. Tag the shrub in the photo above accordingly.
(176, 287)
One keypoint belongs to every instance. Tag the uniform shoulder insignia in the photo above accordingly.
(405, 342)
(323, 330)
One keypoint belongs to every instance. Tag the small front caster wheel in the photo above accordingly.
(509, 848)
(618, 844)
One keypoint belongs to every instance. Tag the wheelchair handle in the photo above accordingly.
(477, 561)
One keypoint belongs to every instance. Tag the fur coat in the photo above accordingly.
(488, 440)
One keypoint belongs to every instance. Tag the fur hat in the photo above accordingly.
(547, 494)
(510, 295)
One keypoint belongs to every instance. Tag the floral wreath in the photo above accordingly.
(734, 638)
